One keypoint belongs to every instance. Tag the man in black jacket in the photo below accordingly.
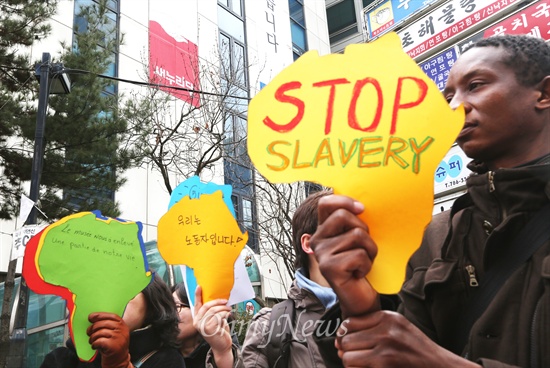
(503, 82)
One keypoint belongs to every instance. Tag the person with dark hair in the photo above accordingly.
(145, 336)
(477, 291)
(308, 298)
(205, 339)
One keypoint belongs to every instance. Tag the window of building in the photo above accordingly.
(235, 135)
(40, 343)
(297, 28)
(233, 63)
(231, 24)
(367, 3)
(110, 26)
(234, 6)
(342, 20)
(240, 178)
(298, 36)
(234, 83)
(296, 8)
(247, 213)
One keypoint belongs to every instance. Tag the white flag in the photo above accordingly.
(25, 209)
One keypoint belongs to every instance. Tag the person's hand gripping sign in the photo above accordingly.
(371, 125)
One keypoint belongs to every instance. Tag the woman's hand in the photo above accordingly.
(211, 321)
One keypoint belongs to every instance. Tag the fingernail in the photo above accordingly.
(359, 206)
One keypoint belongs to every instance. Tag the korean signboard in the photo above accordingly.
(451, 174)
(439, 66)
(21, 237)
(447, 21)
(390, 13)
(173, 62)
(533, 20)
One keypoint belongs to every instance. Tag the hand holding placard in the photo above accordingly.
(96, 264)
(368, 123)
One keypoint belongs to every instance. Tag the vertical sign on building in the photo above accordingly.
(173, 59)
(270, 19)
(438, 67)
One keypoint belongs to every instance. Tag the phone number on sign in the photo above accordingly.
(458, 181)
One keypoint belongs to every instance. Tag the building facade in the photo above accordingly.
(241, 43)
(434, 33)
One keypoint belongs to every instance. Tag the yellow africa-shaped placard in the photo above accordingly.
(371, 125)
(202, 234)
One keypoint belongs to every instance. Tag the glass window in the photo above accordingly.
(155, 261)
(237, 105)
(341, 16)
(342, 35)
(110, 27)
(240, 137)
(239, 177)
(236, 206)
(298, 35)
(247, 213)
(225, 55)
(44, 309)
(367, 3)
(113, 5)
(228, 139)
(230, 24)
(297, 11)
(224, 3)
(257, 289)
(232, 55)
(238, 64)
(253, 242)
(80, 23)
(41, 343)
(237, 7)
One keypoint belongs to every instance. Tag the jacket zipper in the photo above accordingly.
(492, 189)
(472, 275)
(491, 177)
(534, 342)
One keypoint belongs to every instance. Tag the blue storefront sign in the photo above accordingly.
(438, 67)
(451, 174)
(387, 15)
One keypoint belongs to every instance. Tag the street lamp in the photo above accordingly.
(53, 80)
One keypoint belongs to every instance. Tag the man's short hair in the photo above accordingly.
(304, 221)
(528, 56)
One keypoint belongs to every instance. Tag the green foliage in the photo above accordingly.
(21, 21)
(240, 324)
(84, 156)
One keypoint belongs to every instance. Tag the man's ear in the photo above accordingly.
(305, 244)
(543, 102)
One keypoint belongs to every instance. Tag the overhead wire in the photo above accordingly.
(138, 83)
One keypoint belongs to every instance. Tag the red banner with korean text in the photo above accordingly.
(173, 64)
(533, 20)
